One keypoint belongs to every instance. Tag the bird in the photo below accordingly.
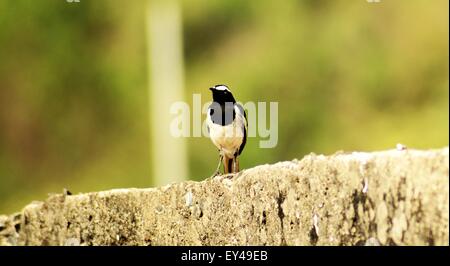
(227, 125)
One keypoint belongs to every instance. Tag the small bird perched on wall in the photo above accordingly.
(227, 127)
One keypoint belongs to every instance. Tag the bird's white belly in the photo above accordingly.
(226, 138)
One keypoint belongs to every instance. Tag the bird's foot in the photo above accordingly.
(229, 175)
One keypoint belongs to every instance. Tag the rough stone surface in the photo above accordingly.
(396, 197)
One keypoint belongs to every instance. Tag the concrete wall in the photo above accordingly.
(396, 197)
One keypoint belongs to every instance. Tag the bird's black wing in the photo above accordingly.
(244, 141)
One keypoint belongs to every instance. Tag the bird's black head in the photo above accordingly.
(221, 94)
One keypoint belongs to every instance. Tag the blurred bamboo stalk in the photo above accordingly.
(166, 82)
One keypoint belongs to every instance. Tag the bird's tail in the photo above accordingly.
(228, 164)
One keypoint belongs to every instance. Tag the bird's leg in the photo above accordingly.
(217, 172)
(236, 165)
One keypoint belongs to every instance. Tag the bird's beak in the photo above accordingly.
(212, 89)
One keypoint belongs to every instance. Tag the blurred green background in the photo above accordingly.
(348, 75)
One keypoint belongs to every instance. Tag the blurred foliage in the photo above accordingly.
(348, 75)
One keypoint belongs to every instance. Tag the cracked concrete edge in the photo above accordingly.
(394, 197)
